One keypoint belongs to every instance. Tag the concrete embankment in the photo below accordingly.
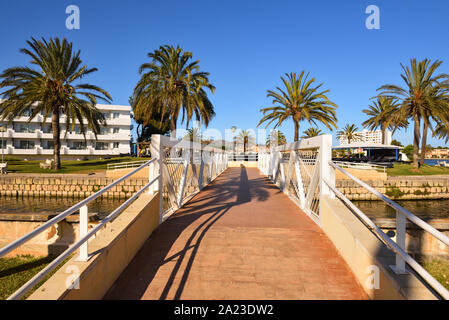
(66, 186)
(398, 188)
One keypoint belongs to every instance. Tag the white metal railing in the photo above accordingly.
(82, 243)
(125, 165)
(398, 246)
(297, 169)
(165, 178)
(360, 165)
(186, 167)
(304, 171)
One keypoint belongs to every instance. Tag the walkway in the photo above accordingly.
(240, 238)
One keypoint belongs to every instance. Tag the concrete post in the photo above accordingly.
(157, 152)
(326, 171)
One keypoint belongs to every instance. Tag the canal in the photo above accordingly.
(434, 209)
(374, 209)
(101, 206)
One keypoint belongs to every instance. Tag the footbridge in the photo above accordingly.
(204, 227)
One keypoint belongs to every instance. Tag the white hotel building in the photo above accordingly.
(368, 137)
(34, 140)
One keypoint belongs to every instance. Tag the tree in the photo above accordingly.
(396, 143)
(194, 134)
(245, 137)
(277, 137)
(148, 126)
(170, 84)
(349, 132)
(300, 101)
(50, 90)
(424, 95)
(383, 115)
(311, 132)
(408, 151)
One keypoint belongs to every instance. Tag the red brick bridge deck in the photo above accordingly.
(239, 238)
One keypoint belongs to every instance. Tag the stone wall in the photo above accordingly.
(66, 186)
(399, 189)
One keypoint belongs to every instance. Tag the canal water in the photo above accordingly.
(102, 206)
(435, 209)
(373, 209)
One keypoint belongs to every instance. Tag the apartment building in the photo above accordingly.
(437, 153)
(34, 140)
(369, 137)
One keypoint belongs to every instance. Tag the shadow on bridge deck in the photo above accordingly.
(239, 238)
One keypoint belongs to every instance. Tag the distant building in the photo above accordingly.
(35, 140)
(437, 153)
(368, 137)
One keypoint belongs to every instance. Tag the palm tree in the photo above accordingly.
(383, 114)
(51, 90)
(172, 83)
(349, 132)
(245, 137)
(300, 101)
(194, 134)
(276, 136)
(424, 94)
(311, 132)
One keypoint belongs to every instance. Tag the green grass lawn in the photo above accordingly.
(14, 272)
(408, 170)
(69, 166)
(439, 269)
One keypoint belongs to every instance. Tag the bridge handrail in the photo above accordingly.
(357, 165)
(82, 207)
(124, 165)
(399, 249)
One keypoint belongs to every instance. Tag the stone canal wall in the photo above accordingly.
(66, 186)
(398, 188)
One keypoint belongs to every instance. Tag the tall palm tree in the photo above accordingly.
(194, 134)
(276, 136)
(349, 132)
(383, 114)
(300, 101)
(311, 132)
(245, 137)
(418, 98)
(170, 84)
(53, 88)
(438, 112)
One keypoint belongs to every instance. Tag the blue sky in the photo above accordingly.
(245, 45)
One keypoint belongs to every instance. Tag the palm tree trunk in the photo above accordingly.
(56, 138)
(296, 130)
(173, 127)
(424, 142)
(416, 141)
(384, 134)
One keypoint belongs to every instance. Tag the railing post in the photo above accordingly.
(83, 226)
(401, 225)
(157, 152)
(326, 170)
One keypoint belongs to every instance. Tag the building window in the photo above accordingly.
(25, 144)
(101, 146)
(115, 130)
(79, 145)
(104, 130)
(47, 128)
(116, 145)
(115, 115)
(23, 127)
(47, 145)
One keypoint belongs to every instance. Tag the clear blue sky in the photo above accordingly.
(245, 45)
